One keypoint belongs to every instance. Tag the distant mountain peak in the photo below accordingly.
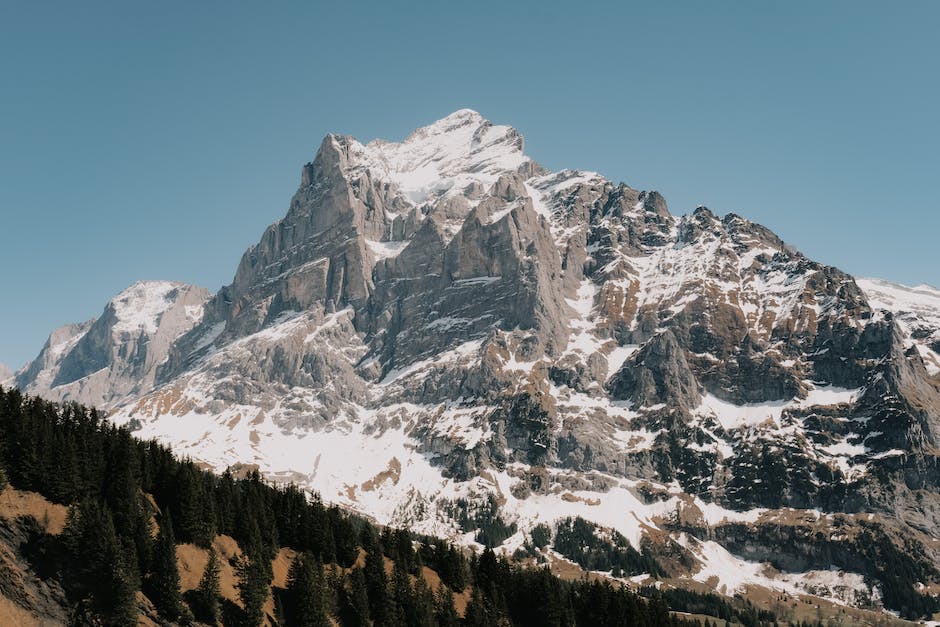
(140, 306)
(444, 157)
(101, 361)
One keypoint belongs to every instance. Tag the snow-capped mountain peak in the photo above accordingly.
(445, 157)
(140, 306)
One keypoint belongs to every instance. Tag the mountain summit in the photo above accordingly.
(442, 334)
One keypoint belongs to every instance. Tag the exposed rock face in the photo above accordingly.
(552, 338)
(115, 356)
(658, 374)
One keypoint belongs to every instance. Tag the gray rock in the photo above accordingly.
(658, 374)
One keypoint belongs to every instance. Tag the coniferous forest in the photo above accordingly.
(131, 502)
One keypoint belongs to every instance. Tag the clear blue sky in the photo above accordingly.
(157, 139)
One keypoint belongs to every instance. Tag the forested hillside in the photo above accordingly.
(132, 501)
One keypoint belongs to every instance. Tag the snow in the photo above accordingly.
(838, 586)
(584, 301)
(892, 453)
(209, 336)
(445, 157)
(619, 509)
(337, 461)
(844, 448)
(732, 416)
(715, 514)
(474, 281)
(460, 352)
(636, 440)
(732, 575)
(547, 195)
(618, 356)
(538, 202)
(139, 307)
(896, 297)
(915, 308)
(581, 405)
(386, 250)
(499, 215)
(830, 395)
(6, 374)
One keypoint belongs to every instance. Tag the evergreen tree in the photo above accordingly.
(97, 564)
(253, 581)
(354, 605)
(403, 606)
(208, 592)
(163, 584)
(422, 604)
(444, 611)
(375, 578)
(478, 614)
(305, 592)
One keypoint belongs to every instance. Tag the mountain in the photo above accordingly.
(5, 372)
(443, 334)
(115, 356)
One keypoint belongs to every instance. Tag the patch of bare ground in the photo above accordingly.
(191, 561)
(15, 503)
(571, 498)
(241, 471)
(13, 614)
(392, 472)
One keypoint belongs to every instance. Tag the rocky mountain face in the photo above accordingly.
(441, 333)
(115, 356)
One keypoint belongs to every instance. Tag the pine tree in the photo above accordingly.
(477, 613)
(163, 584)
(422, 605)
(404, 602)
(305, 592)
(444, 611)
(3, 479)
(375, 578)
(253, 580)
(208, 592)
(354, 605)
(97, 563)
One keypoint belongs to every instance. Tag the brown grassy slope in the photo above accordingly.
(15, 503)
(12, 614)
